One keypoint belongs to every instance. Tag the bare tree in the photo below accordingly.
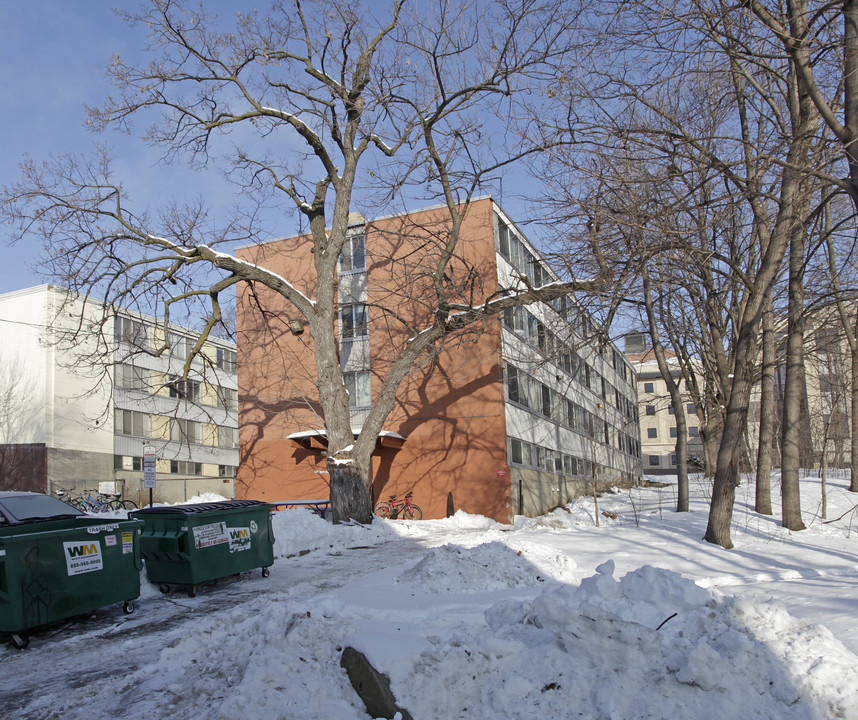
(763, 493)
(326, 101)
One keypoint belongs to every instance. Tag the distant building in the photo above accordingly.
(518, 417)
(83, 392)
(657, 419)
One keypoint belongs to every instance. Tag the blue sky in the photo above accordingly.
(53, 55)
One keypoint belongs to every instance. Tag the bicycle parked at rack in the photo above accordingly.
(99, 503)
(394, 509)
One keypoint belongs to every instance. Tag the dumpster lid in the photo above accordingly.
(17, 508)
(199, 507)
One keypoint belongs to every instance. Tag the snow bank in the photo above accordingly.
(651, 645)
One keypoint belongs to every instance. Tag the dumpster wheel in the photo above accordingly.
(265, 572)
(164, 588)
(20, 641)
(128, 607)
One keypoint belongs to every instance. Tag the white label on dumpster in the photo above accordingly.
(82, 557)
(212, 534)
(239, 539)
(95, 529)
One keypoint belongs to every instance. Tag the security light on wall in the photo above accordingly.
(296, 327)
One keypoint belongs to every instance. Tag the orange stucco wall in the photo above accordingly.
(449, 409)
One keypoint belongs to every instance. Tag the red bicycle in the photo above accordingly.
(393, 509)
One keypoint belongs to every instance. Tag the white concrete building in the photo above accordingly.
(83, 389)
(657, 418)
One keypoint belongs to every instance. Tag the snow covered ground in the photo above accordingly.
(551, 618)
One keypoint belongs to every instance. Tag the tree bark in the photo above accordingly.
(763, 496)
(349, 498)
(853, 462)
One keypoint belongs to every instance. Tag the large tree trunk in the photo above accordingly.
(853, 462)
(729, 451)
(794, 383)
(763, 498)
(349, 497)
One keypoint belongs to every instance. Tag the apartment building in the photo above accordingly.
(515, 416)
(85, 389)
(657, 417)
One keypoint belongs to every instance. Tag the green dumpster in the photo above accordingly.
(57, 562)
(192, 544)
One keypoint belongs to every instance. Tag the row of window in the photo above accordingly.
(530, 455)
(131, 377)
(693, 432)
(690, 409)
(136, 333)
(137, 424)
(354, 322)
(533, 331)
(177, 467)
(525, 390)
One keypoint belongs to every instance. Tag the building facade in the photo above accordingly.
(515, 416)
(657, 416)
(87, 388)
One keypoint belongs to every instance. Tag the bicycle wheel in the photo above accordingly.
(383, 510)
(412, 512)
(128, 504)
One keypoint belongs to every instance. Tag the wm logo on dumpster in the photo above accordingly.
(82, 557)
(239, 539)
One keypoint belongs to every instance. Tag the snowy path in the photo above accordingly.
(480, 621)
(78, 663)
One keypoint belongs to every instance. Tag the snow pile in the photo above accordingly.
(651, 645)
(455, 569)
(299, 530)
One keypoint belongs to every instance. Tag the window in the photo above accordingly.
(227, 437)
(132, 377)
(654, 461)
(185, 389)
(694, 431)
(515, 455)
(516, 385)
(648, 387)
(691, 409)
(180, 345)
(353, 321)
(185, 467)
(130, 422)
(673, 459)
(227, 398)
(358, 386)
(185, 431)
(652, 432)
(120, 463)
(670, 410)
(504, 239)
(226, 470)
(129, 331)
(353, 256)
(513, 318)
(650, 409)
(227, 359)
(673, 432)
